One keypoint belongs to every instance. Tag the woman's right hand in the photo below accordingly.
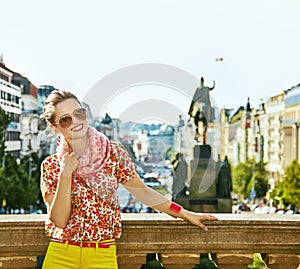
(60, 204)
(69, 163)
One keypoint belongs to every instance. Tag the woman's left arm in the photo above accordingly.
(155, 200)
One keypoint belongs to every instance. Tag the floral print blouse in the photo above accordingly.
(94, 216)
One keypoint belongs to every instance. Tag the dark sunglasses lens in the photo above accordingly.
(65, 122)
(80, 113)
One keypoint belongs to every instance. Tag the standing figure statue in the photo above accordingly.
(180, 171)
(224, 180)
(201, 110)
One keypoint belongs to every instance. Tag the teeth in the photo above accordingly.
(77, 128)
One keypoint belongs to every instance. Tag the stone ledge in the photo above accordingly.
(233, 239)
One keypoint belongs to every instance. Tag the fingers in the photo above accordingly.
(76, 156)
(72, 154)
(70, 161)
(210, 217)
(202, 226)
(204, 217)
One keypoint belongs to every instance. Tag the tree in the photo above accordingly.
(241, 177)
(17, 188)
(291, 185)
(32, 163)
(244, 174)
(19, 183)
(277, 194)
(261, 180)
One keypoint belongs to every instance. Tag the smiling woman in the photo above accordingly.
(79, 184)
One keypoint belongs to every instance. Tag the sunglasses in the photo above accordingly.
(66, 120)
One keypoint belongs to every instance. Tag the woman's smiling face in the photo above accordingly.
(78, 127)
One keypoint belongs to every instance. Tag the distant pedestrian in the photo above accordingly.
(262, 208)
(79, 185)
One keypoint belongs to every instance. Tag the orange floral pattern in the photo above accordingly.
(95, 216)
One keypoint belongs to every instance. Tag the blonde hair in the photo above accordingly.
(52, 100)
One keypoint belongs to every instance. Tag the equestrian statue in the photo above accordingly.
(201, 110)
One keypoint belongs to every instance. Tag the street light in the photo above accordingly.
(253, 191)
(297, 124)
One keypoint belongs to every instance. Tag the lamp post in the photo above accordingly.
(3, 149)
(297, 124)
(4, 205)
(253, 192)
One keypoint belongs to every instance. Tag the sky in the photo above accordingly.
(75, 44)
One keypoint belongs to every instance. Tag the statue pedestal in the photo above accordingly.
(199, 188)
(199, 168)
(224, 205)
(203, 193)
(202, 151)
(204, 205)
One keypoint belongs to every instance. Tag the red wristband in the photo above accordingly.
(175, 207)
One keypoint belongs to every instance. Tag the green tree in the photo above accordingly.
(277, 194)
(244, 174)
(261, 180)
(19, 183)
(32, 163)
(241, 177)
(17, 187)
(291, 185)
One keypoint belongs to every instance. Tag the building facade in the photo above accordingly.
(274, 137)
(29, 123)
(291, 123)
(160, 142)
(10, 102)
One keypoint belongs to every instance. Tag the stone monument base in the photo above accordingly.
(206, 200)
(206, 205)
(224, 205)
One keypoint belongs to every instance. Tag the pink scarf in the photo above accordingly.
(95, 157)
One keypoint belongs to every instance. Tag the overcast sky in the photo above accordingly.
(74, 44)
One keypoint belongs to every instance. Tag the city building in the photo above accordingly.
(29, 123)
(141, 146)
(42, 92)
(160, 141)
(47, 138)
(29, 118)
(10, 102)
(237, 136)
(291, 123)
(272, 129)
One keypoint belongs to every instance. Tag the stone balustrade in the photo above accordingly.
(231, 240)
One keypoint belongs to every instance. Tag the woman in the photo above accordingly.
(79, 186)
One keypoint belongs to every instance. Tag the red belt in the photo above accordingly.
(86, 244)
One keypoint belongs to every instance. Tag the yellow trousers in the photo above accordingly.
(64, 256)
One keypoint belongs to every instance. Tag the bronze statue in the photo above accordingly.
(201, 110)
(224, 180)
(180, 171)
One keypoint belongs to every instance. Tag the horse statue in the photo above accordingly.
(201, 110)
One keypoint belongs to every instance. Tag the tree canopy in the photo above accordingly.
(289, 189)
(245, 173)
(19, 181)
